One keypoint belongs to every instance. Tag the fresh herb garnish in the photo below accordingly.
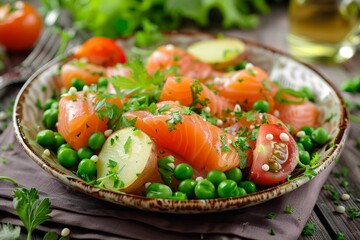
(308, 230)
(353, 213)
(289, 209)
(296, 97)
(127, 145)
(31, 211)
(166, 168)
(270, 215)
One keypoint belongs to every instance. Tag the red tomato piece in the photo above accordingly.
(20, 26)
(276, 150)
(101, 51)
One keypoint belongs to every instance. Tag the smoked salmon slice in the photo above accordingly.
(201, 144)
(87, 72)
(78, 119)
(190, 92)
(245, 87)
(297, 115)
(179, 62)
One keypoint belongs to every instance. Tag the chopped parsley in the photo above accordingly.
(164, 108)
(266, 85)
(353, 213)
(224, 144)
(340, 236)
(166, 168)
(289, 209)
(270, 215)
(175, 118)
(127, 145)
(308, 230)
(272, 232)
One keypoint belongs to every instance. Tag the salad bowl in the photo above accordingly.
(281, 67)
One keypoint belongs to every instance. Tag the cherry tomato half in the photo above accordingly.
(274, 155)
(20, 26)
(101, 51)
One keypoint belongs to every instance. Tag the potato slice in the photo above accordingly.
(129, 156)
(220, 53)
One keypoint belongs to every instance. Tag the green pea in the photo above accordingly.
(320, 136)
(216, 177)
(300, 146)
(183, 171)
(187, 186)
(242, 191)
(228, 188)
(348, 86)
(50, 118)
(234, 174)
(85, 152)
(87, 167)
(96, 140)
(249, 186)
(308, 93)
(67, 157)
(178, 196)
(59, 140)
(48, 103)
(55, 105)
(77, 83)
(261, 106)
(158, 190)
(102, 82)
(304, 157)
(45, 138)
(307, 143)
(63, 146)
(204, 189)
(308, 130)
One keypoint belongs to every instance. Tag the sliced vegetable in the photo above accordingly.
(220, 53)
(127, 171)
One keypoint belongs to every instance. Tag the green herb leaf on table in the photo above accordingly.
(308, 230)
(31, 211)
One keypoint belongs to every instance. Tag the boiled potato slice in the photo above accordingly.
(220, 53)
(127, 160)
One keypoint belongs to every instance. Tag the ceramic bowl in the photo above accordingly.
(280, 66)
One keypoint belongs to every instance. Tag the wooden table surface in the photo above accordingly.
(272, 32)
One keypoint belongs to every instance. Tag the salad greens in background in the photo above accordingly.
(115, 18)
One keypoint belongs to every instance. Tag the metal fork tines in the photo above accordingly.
(46, 48)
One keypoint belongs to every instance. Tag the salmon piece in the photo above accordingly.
(183, 63)
(78, 119)
(188, 90)
(297, 115)
(117, 70)
(246, 87)
(87, 72)
(201, 144)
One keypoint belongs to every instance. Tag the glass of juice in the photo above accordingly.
(324, 31)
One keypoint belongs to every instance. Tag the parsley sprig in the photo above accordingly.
(30, 209)
(309, 168)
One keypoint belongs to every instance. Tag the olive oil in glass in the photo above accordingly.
(323, 30)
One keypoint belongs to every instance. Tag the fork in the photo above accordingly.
(46, 48)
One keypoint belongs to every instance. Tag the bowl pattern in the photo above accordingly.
(281, 67)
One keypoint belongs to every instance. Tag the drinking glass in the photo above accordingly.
(323, 30)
